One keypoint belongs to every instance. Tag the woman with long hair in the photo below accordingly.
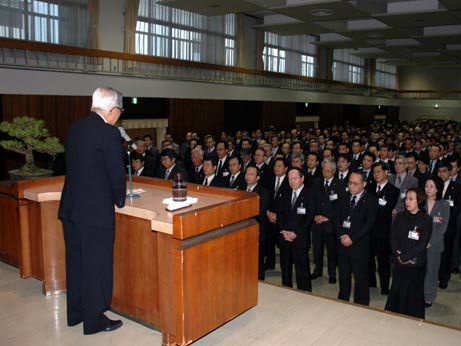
(439, 211)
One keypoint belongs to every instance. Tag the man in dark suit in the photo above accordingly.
(452, 193)
(325, 191)
(151, 150)
(252, 177)
(236, 179)
(266, 172)
(367, 163)
(357, 156)
(387, 195)
(95, 182)
(222, 150)
(294, 221)
(137, 162)
(343, 171)
(196, 174)
(149, 162)
(278, 187)
(169, 166)
(356, 214)
(209, 169)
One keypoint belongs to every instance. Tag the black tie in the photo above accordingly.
(341, 176)
(378, 190)
(327, 185)
(232, 180)
(353, 202)
(293, 199)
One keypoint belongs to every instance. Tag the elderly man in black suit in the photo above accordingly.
(326, 191)
(294, 222)
(356, 215)
(95, 183)
(380, 246)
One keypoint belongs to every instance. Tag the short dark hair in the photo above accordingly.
(147, 136)
(445, 164)
(345, 156)
(299, 170)
(213, 159)
(239, 159)
(258, 171)
(384, 166)
(372, 155)
(136, 156)
(168, 152)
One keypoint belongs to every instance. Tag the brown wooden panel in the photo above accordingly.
(280, 114)
(36, 241)
(203, 116)
(54, 254)
(331, 114)
(216, 295)
(136, 277)
(9, 230)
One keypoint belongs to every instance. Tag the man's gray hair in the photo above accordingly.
(106, 98)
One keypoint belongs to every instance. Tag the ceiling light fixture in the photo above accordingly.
(321, 12)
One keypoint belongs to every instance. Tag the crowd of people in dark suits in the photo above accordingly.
(382, 199)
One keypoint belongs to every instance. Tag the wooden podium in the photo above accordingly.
(185, 272)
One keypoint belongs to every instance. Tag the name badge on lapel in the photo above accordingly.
(333, 197)
(347, 223)
(225, 174)
(451, 202)
(301, 210)
(382, 202)
(402, 195)
(413, 234)
(437, 219)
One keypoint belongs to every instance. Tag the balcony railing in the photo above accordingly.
(40, 56)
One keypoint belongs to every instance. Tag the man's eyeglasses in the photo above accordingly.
(120, 109)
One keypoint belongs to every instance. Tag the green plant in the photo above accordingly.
(29, 135)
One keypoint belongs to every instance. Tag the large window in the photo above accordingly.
(347, 67)
(50, 21)
(289, 54)
(386, 75)
(169, 32)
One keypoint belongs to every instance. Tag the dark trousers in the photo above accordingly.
(289, 255)
(353, 260)
(89, 274)
(270, 245)
(381, 249)
(261, 273)
(323, 235)
(407, 291)
(447, 258)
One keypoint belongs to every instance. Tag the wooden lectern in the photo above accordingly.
(185, 272)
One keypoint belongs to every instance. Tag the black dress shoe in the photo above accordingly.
(315, 276)
(384, 291)
(73, 323)
(455, 271)
(332, 281)
(427, 305)
(113, 324)
(443, 285)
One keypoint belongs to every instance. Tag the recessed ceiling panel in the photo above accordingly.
(322, 11)
(418, 19)
(212, 7)
(292, 29)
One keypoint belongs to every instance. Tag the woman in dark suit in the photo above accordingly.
(410, 235)
(439, 211)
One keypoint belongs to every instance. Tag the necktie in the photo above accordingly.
(220, 165)
(277, 185)
(353, 201)
(341, 176)
(197, 169)
(293, 199)
(378, 190)
(205, 181)
(399, 180)
(232, 179)
(167, 173)
(248, 189)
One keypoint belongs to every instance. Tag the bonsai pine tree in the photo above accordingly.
(29, 134)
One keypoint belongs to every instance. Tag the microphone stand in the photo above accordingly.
(131, 195)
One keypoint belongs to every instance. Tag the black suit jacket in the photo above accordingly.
(96, 176)
(326, 201)
(453, 193)
(290, 219)
(238, 184)
(362, 218)
(264, 202)
(383, 222)
(178, 168)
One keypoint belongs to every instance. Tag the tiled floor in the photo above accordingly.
(282, 317)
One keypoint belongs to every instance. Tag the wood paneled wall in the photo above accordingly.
(280, 114)
(203, 116)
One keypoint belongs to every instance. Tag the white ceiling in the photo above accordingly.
(402, 32)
